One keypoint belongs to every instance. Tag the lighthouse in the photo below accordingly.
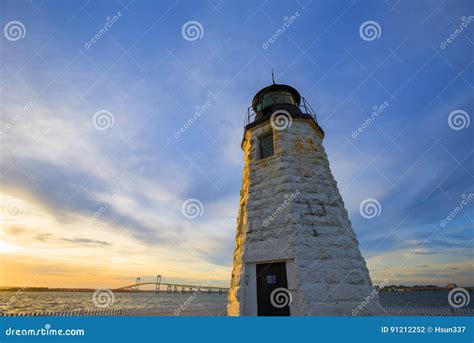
(295, 250)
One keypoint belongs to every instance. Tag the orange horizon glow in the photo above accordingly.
(39, 249)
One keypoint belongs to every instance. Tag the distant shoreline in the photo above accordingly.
(420, 288)
(70, 290)
(46, 289)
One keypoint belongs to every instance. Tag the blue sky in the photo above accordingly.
(59, 169)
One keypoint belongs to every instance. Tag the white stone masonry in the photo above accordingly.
(291, 210)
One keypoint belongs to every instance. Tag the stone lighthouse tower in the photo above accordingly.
(295, 250)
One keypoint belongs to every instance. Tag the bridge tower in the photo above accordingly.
(158, 283)
(295, 250)
(137, 284)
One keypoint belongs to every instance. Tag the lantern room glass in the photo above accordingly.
(276, 97)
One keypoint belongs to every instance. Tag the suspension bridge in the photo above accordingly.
(171, 287)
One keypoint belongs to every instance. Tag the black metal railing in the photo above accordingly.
(304, 107)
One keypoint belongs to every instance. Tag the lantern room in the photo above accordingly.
(275, 94)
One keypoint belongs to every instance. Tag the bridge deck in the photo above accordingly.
(174, 285)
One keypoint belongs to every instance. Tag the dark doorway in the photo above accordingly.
(271, 276)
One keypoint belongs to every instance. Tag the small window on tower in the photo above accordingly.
(265, 145)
